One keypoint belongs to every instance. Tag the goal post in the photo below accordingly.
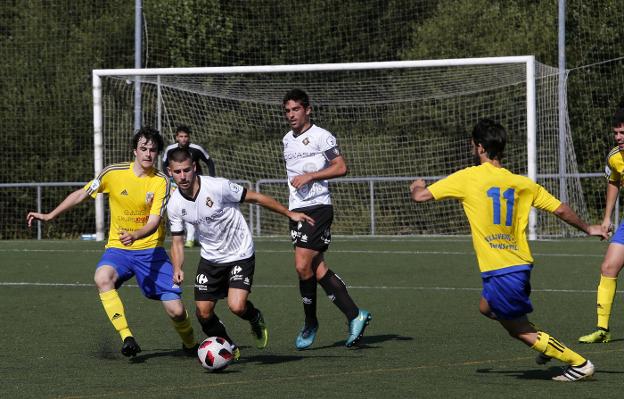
(397, 119)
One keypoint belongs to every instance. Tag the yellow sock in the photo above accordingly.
(606, 293)
(115, 311)
(551, 347)
(185, 329)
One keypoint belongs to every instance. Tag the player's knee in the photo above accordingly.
(304, 270)
(610, 269)
(104, 280)
(238, 308)
(203, 314)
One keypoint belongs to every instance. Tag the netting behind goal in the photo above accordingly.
(392, 125)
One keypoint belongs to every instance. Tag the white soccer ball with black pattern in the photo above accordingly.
(215, 353)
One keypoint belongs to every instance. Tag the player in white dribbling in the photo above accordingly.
(312, 156)
(227, 264)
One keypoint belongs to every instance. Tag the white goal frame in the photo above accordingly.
(531, 117)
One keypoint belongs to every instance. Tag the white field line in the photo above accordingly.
(339, 251)
(272, 286)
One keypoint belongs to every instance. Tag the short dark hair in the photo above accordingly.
(297, 95)
(183, 128)
(149, 134)
(492, 136)
(179, 155)
(618, 117)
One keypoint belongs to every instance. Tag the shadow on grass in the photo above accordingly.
(545, 375)
(366, 342)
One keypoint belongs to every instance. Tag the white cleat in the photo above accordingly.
(576, 373)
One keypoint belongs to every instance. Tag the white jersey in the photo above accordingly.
(224, 235)
(310, 151)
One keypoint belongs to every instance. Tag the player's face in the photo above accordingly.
(183, 139)
(183, 174)
(297, 116)
(146, 153)
(618, 132)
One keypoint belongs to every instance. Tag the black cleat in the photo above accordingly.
(192, 351)
(130, 348)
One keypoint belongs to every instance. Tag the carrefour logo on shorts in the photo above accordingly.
(201, 279)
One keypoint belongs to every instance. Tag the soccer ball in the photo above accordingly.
(215, 353)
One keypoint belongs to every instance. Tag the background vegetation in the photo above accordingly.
(49, 48)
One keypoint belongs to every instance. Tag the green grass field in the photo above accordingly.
(427, 338)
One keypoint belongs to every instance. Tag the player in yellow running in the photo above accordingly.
(497, 204)
(137, 195)
(614, 258)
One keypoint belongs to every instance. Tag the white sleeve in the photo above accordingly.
(328, 146)
(232, 192)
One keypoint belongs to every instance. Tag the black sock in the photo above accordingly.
(336, 290)
(251, 314)
(213, 327)
(307, 288)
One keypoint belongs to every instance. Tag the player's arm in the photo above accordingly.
(127, 238)
(203, 156)
(613, 190)
(565, 213)
(272, 204)
(420, 192)
(337, 168)
(177, 256)
(69, 202)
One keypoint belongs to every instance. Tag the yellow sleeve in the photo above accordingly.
(160, 196)
(451, 186)
(612, 172)
(545, 200)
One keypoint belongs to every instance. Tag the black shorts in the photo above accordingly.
(317, 237)
(213, 280)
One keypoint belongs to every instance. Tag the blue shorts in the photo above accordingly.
(508, 294)
(618, 237)
(151, 267)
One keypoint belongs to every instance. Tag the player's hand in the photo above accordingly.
(178, 276)
(607, 226)
(32, 216)
(300, 217)
(301, 180)
(598, 231)
(126, 238)
(419, 183)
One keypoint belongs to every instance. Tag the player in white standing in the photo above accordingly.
(183, 140)
(227, 263)
(312, 157)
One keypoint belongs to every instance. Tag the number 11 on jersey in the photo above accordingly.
(508, 196)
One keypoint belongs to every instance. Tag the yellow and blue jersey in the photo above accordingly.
(132, 200)
(497, 204)
(615, 166)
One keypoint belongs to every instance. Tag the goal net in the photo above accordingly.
(394, 121)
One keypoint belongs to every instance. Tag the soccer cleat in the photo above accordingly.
(235, 352)
(130, 348)
(542, 359)
(260, 332)
(189, 244)
(306, 336)
(192, 351)
(357, 326)
(598, 336)
(576, 373)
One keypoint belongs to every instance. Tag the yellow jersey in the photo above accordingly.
(131, 200)
(615, 166)
(497, 204)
